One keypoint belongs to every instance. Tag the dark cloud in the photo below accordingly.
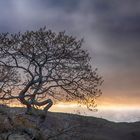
(111, 29)
(67, 5)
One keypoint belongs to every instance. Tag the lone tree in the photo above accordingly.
(37, 67)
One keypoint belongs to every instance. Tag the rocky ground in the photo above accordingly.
(16, 125)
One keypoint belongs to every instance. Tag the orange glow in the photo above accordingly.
(70, 107)
(115, 102)
(102, 104)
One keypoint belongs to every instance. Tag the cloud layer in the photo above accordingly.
(111, 29)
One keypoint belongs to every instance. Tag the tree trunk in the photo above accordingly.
(29, 109)
(48, 102)
(29, 105)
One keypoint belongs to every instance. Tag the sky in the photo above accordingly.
(111, 31)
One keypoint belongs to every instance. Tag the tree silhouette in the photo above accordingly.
(37, 67)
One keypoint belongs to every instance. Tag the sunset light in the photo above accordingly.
(70, 69)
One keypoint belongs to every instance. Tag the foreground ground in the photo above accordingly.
(16, 125)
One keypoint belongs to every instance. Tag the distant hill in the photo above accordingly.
(16, 125)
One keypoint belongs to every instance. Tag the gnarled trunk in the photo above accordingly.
(47, 102)
(30, 104)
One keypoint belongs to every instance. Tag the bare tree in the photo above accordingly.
(42, 66)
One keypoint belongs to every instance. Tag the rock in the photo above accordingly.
(5, 123)
(25, 121)
(16, 136)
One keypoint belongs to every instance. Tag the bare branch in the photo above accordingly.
(42, 64)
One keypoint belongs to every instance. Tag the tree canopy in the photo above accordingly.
(37, 67)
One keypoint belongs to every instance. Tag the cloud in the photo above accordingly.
(111, 30)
